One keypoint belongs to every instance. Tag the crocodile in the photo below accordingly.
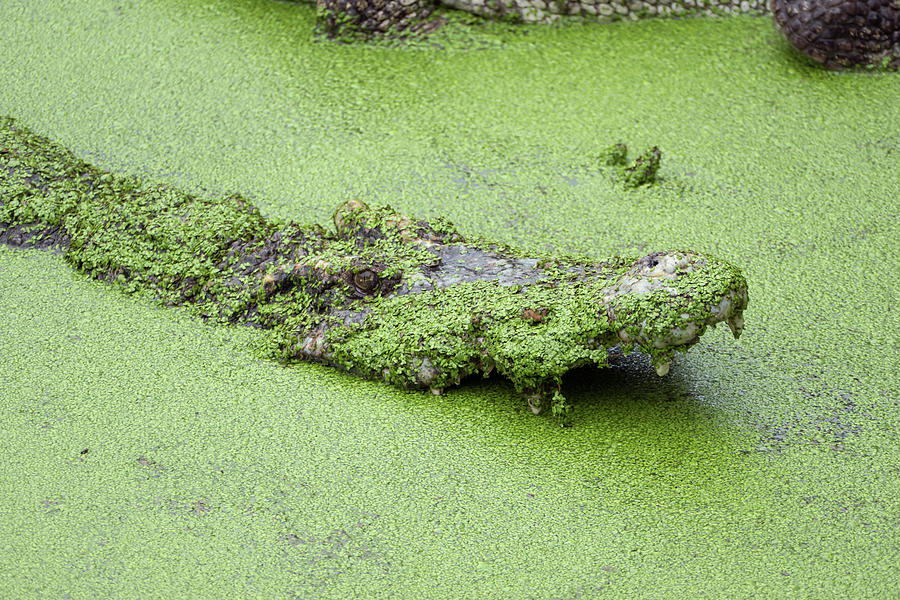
(835, 33)
(381, 295)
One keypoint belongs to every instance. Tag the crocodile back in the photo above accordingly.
(840, 33)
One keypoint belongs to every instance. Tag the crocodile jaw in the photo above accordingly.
(658, 276)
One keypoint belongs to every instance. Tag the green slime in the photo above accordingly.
(766, 468)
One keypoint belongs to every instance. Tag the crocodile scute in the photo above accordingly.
(841, 33)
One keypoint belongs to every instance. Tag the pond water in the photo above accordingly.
(147, 454)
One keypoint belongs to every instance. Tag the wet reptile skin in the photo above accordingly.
(836, 33)
(840, 33)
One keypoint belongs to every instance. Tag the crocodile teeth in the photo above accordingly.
(736, 323)
(663, 368)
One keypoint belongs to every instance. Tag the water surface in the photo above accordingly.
(147, 454)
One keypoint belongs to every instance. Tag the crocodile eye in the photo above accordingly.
(365, 280)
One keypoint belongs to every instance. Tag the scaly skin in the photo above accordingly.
(383, 295)
(836, 33)
(841, 33)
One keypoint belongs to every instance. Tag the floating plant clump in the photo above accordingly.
(382, 295)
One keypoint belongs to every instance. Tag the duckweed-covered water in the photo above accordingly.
(148, 455)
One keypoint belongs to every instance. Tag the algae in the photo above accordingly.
(385, 296)
(643, 170)
(759, 468)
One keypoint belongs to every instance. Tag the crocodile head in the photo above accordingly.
(430, 308)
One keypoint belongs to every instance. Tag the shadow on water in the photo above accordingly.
(624, 408)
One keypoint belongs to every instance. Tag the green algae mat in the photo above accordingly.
(147, 454)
